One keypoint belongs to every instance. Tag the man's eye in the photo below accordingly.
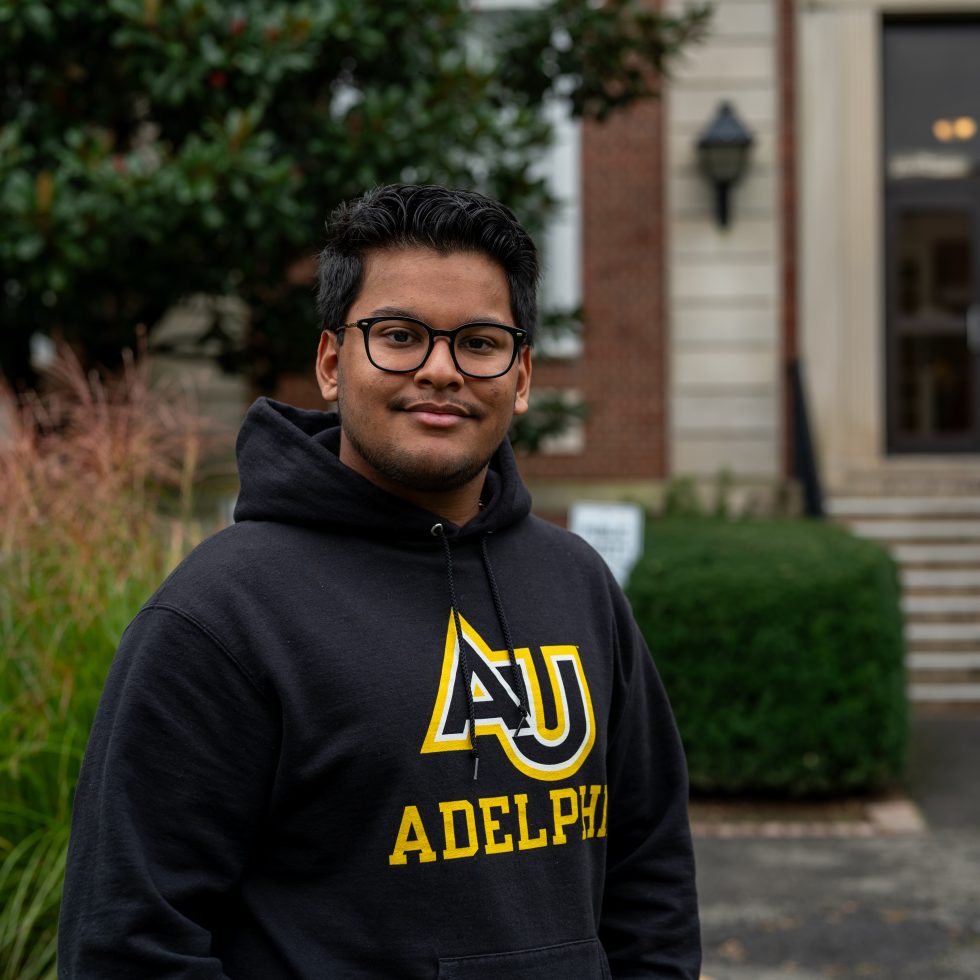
(478, 344)
(399, 334)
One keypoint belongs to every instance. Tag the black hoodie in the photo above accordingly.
(280, 778)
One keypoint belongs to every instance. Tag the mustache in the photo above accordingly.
(404, 402)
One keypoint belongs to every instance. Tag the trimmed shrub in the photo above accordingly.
(780, 644)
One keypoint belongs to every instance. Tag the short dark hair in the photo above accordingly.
(424, 216)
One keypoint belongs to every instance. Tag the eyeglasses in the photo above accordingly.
(401, 345)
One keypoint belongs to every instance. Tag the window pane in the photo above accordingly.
(932, 112)
(935, 267)
(934, 287)
(934, 387)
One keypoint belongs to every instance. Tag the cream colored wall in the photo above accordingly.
(841, 245)
(219, 397)
(840, 240)
(723, 301)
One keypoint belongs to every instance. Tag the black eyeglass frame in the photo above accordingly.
(364, 325)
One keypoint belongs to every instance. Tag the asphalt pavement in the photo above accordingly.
(834, 895)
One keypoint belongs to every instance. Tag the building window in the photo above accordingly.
(560, 243)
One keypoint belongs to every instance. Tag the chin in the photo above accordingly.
(427, 469)
(435, 475)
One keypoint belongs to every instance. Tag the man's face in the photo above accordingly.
(435, 429)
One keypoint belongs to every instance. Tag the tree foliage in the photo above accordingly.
(151, 151)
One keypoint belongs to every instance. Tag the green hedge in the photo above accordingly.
(780, 644)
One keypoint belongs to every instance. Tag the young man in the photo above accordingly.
(388, 725)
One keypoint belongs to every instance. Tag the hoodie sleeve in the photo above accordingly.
(170, 797)
(649, 924)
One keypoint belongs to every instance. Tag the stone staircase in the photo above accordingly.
(936, 542)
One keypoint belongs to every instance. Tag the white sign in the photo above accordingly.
(614, 530)
(925, 163)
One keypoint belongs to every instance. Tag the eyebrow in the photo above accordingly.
(401, 311)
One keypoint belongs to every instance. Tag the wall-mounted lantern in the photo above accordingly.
(723, 152)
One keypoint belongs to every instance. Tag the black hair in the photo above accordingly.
(424, 216)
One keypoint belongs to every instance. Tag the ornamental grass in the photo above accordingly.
(95, 494)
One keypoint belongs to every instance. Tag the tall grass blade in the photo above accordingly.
(88, 474)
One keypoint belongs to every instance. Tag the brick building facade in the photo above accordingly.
(853, 254)
(620, 372)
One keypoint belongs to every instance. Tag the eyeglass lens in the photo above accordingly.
(481, 349)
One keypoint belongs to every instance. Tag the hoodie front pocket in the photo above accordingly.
(584, 960)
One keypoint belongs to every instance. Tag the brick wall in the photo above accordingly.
(301, 390)
(620, 373)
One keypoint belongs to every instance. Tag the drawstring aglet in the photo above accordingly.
(521, 722)
(476, 766)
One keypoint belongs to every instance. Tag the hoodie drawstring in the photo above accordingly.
(516, 676)
(466, 672)
(439, 532)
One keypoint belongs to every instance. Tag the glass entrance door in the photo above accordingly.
(933, 306)
(931, 75)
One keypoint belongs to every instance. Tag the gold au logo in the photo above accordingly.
(537, 750)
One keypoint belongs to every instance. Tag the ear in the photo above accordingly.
(523, 392)
(327, 355)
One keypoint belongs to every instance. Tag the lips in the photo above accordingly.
(439, 415)
(438, 408)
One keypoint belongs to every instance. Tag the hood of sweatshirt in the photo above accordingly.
(290, 471)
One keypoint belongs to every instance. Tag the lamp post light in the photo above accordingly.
(723, 151)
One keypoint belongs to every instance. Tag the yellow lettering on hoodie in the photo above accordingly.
(411, 837)
(588, 809)
(562, 817)
(536, 750)
(490, 826)
(524, 841)
(453, 848)
(472, 828)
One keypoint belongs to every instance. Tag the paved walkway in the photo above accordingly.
(891, 906)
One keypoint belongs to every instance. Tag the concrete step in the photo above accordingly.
(855, 507)
(944, 693)
(912, 530)
(942, 632)
(936, 554)
(941, 605)
(943, 660)
(936, 542)
(937, 678)
(940, 579)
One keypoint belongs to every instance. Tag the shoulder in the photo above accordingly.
(549, 541)
(552, 556)
(239, 584)
(241, 597)
(240, 555)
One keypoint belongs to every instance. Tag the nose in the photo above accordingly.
(439, 369)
